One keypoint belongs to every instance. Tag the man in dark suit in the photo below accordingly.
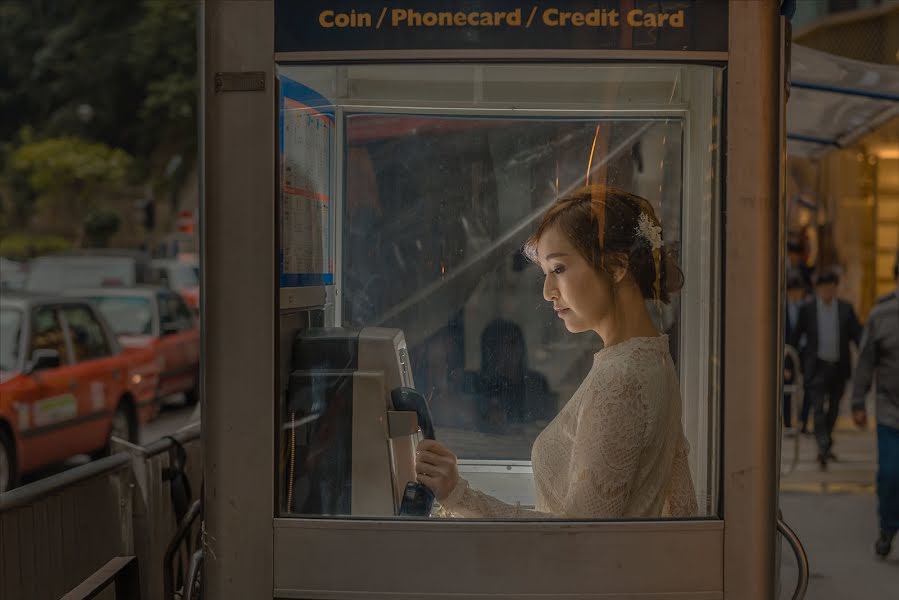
(828, 324)
(795, 298)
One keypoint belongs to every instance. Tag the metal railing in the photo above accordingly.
(155, 519)
(121, 571)
(57, 532)
(800, 554)
(796, 391)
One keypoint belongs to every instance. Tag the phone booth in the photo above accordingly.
(371, 172)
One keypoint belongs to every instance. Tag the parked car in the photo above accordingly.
(54, 273)
(156, 318)
(182, 276)
(66, 385)
(12, 274)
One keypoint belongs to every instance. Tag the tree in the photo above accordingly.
(94, 71)
(163, 54)
(99, 226)
(134, 69)
(69, 173)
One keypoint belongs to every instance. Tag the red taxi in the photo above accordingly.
(66, 385)
(158, 319)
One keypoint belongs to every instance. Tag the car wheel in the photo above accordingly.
(122, 426)
(192, 396)
(8, 470)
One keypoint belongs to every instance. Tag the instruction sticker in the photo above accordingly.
(55, 410)
(307, 138)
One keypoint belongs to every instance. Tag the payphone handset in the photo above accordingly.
(417, 499)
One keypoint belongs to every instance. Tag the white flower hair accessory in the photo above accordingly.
(649, 231)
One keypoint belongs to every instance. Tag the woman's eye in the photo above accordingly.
(559, 270)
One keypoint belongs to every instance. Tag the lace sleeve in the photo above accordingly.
(610, 437)
(466, 502)
(681, 501)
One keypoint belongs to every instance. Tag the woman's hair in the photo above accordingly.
(604, 224)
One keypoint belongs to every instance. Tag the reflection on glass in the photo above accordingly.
(437, 210)
(617, 448)
(436, 206)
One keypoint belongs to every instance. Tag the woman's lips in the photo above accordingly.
(561, 312)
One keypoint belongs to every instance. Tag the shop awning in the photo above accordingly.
(835, 100)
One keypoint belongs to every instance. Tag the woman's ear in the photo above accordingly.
(617, 268)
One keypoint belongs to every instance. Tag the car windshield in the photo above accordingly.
(127, 315)
(60, 275)
(10, 328)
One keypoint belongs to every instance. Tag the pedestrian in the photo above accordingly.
(879, 359)
(795, 297)
(828, 324)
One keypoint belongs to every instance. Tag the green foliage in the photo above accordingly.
(23, 246)
(99, 226)
(65, 54)
(67, 172)
(75, 72)
(163, 54)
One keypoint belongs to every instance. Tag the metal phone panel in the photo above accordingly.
(372, 483)
(479, 560)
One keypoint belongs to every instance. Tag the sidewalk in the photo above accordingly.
(834, 513)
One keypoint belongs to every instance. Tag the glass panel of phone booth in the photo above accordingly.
(443, 173)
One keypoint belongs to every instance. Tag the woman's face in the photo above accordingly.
(581, 298)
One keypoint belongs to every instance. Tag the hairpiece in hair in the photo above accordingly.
(649, 231)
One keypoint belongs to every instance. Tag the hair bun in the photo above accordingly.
(672, 278)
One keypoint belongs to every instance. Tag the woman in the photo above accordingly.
(617, 449)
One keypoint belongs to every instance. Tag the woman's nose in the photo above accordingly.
(550, 291)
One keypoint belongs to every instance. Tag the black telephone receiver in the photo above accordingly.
(408, 399)
(417, 498)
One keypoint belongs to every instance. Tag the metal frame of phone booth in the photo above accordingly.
(252, 553)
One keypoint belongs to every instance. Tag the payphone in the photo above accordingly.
(353, 418)
(368, 180)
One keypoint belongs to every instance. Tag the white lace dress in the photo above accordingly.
(617, 449)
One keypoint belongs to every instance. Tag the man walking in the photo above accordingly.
(829, 324)
(879, 357)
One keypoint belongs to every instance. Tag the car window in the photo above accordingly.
(88, 338)
(173, 313)
(10, 330)
(126, 315)
(46, 333)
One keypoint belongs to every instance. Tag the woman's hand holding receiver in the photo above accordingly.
(435, 466)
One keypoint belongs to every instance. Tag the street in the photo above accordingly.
(834, 513)
(174, 416)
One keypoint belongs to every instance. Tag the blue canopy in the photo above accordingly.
(835, 100)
